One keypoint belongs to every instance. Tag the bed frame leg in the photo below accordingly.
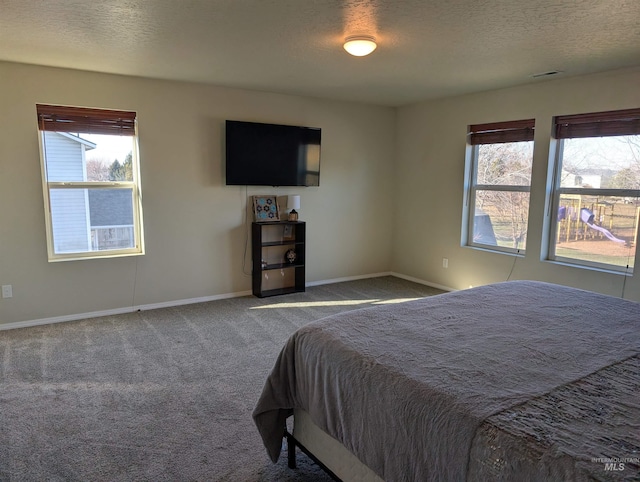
(291, 451)
(291, 455)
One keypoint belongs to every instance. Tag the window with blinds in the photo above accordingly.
(91, 182)
(596, 189)
(499, 180)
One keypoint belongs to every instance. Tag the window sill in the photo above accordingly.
(94, 255)
(627, 272)
(520, 253)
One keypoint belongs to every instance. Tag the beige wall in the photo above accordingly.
(430, 173)
(194, 224)
(390, 198)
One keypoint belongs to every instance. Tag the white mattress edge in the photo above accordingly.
(329, 451)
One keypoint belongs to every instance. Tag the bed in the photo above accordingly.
(521, 380)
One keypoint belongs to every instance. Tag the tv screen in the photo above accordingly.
(272, 155)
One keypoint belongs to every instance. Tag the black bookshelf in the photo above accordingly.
(273, 273)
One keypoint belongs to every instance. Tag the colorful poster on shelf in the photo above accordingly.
(265, 208)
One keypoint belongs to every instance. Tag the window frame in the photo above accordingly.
(589, 125)
(484, 134)
(67, 119)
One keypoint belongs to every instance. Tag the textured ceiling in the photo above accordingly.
(426, 48)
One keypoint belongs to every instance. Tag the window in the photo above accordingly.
(91, 182)
(499, 179)
(597, 189)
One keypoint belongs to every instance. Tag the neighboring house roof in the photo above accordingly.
(110, 207)
(89, 145)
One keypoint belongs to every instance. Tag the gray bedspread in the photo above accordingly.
(405, 387)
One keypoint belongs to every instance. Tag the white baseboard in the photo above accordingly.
(423, 282)
(189, 301)
(347, 278)
(168, 304)
(119, 311)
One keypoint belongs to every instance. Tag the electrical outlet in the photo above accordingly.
(7, 291)
(445, 262)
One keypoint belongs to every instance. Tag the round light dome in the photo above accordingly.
(360, 45)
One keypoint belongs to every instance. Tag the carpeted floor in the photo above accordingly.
(162, 394)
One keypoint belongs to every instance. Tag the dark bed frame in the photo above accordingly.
(292, 443)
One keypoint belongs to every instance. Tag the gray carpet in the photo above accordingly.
(159, 395)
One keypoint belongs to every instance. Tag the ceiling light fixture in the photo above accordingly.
(360, 45)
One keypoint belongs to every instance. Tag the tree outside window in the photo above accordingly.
(500, 179)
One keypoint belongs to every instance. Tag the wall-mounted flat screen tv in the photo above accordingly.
(271, 154)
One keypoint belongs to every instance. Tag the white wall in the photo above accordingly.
(194, 224)
(430, 175)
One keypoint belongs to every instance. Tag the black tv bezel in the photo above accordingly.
(236, 181)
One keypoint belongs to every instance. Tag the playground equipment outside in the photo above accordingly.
(596, 229)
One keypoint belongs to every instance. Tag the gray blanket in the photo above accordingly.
(405, 387)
